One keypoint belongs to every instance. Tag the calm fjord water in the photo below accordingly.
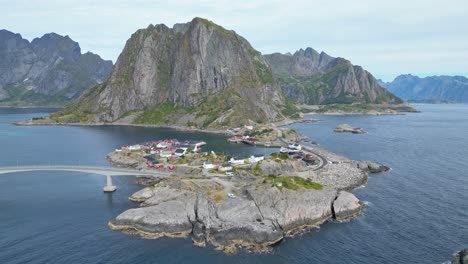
(417, 213)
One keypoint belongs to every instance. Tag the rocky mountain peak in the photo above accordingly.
(310, 77)
(64, 46)
(209, 76)
(48, 69)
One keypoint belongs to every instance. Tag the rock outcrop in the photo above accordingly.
(345, 128)
(196, 73)
(293, 210)
(461, 257)
(47, 71)
(314, 78)
(371, 167)
(346, 206)
(260, 217)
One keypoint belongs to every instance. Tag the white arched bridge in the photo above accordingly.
(106, 171)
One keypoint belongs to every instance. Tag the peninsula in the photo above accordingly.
(238, 202)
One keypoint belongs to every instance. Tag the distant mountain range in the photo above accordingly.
(315, 78)
(48, 71)
(433, 89)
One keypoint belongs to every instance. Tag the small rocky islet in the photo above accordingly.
(254, 206)
(461, 257)
(345, 128)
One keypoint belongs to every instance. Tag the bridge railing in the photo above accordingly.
(98, 168)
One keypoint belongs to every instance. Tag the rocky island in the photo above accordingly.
(233, 203)
(345, 128)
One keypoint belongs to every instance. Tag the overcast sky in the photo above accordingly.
(423, 37)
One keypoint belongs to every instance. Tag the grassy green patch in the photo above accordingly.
(281, 156)
(290, 110)
(261, 132)
(293, 182)
(347, 108)
(157, 114)
(263, 72)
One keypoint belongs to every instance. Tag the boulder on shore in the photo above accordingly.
(461, 257)
(346, 206)
(371, 167)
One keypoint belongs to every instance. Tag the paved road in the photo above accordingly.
(322, 158)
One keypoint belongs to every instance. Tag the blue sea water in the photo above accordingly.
(417, 213)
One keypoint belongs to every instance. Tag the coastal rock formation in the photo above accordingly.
(194, 74)
(346, 206)
(259, 213)
(371, 167)
(142, 195)
(316, 78)
(171, 218)
(50, 70)
(254, 207)
(431, 89)
(341, 176)
(345, 128)
(461, 257)
(233, 222)
(293, 210)
(262, 216)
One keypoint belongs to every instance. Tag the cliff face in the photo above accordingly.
(310, 77)
(196, 72)
(50, 69)
(430, 89)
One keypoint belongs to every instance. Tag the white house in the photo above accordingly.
(208, 165)
(256, 158)
(134, 147)
(236, 161)
(161, 145)
(165, 154)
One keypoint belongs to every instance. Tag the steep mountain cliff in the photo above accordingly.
(196, 73)
(47, 71)
(433, 89)
(310, 77)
